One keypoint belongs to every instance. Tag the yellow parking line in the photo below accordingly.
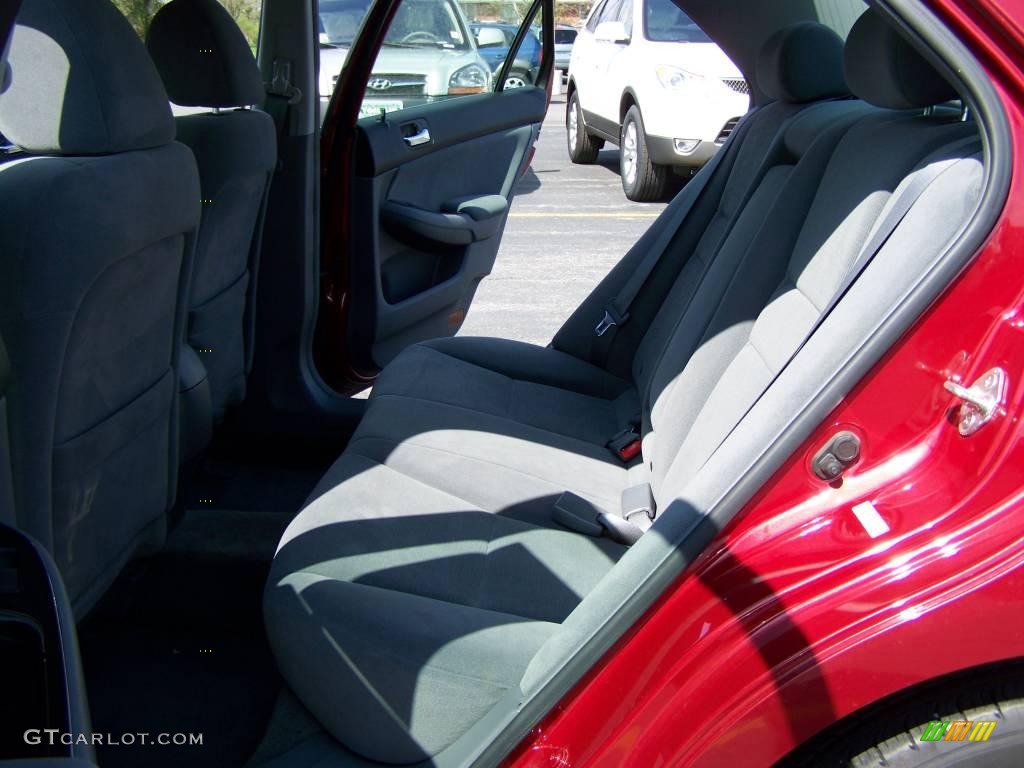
(583, 215)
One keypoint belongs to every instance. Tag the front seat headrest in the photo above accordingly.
(802, 63)
(81, 82)
(884, 69)
(203, 56)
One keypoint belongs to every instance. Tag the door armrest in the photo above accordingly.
(461, 221)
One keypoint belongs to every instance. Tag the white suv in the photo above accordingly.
(645, 77)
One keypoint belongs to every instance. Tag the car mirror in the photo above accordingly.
(489, 37)
(611, 32)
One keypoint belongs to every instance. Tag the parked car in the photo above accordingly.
(565, 36)
(645, 77)
(429, 54)
(759, 502)
(494, 41)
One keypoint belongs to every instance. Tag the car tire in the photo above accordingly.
(516, 79)
(583, 147)
(893, 736)
(642, 180)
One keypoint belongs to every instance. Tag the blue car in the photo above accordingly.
(494, 41)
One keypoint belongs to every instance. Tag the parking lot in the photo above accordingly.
(568, 226)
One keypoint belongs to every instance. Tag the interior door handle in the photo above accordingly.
(420, 137)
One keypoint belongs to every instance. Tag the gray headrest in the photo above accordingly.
(883, 69)
(81, 82)
(802, 63)
(203, 56)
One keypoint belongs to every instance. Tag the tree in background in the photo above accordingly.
(246, 14)
(138, 12)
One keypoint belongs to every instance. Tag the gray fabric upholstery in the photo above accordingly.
(202, 56)
(802, 63)
(400, 597)
(394, 570)
(81, 82)
(884, 69)
(535, 386)
(236, 152)
(95, 254)
(205, 61)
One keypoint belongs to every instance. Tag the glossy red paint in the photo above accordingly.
(795, 617)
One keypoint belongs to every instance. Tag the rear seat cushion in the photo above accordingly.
(532, 385)
(497, 463)
(409, 611)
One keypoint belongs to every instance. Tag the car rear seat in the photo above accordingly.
(426, 572)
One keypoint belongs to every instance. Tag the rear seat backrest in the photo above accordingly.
(789, 274)
(777, 136)
(638, 345)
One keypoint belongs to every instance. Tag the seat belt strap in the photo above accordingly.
(928, 171)
(616, 312)
(281, 95)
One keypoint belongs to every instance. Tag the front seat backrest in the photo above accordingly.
(100, 210)
(205, 61)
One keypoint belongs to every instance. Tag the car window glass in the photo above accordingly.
(595, 17)
(565, 36)
(665, 23)
(524, 62)
(611, 11)
(428, 54)
(246, 14)
(839, 14)
(626, 16)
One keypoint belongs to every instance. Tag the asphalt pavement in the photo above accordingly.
(569, 225)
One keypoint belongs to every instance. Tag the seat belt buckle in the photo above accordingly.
(638, 500)
(611, 318)
(581, 516)
(626, 445)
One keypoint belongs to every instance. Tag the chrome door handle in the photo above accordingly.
(417, 139)
(982, 400)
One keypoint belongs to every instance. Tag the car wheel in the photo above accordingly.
(516, 79)
(583, 147)
(976, 722)
(642, 180)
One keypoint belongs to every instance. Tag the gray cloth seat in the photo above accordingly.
(101, 208)
(205, 61)
(441, 450)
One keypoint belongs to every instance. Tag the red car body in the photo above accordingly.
(795, 617)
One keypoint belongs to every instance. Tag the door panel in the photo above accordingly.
(431, 216)
(414, 212)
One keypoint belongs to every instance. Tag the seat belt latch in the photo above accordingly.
(611, 318)
(626, 445)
